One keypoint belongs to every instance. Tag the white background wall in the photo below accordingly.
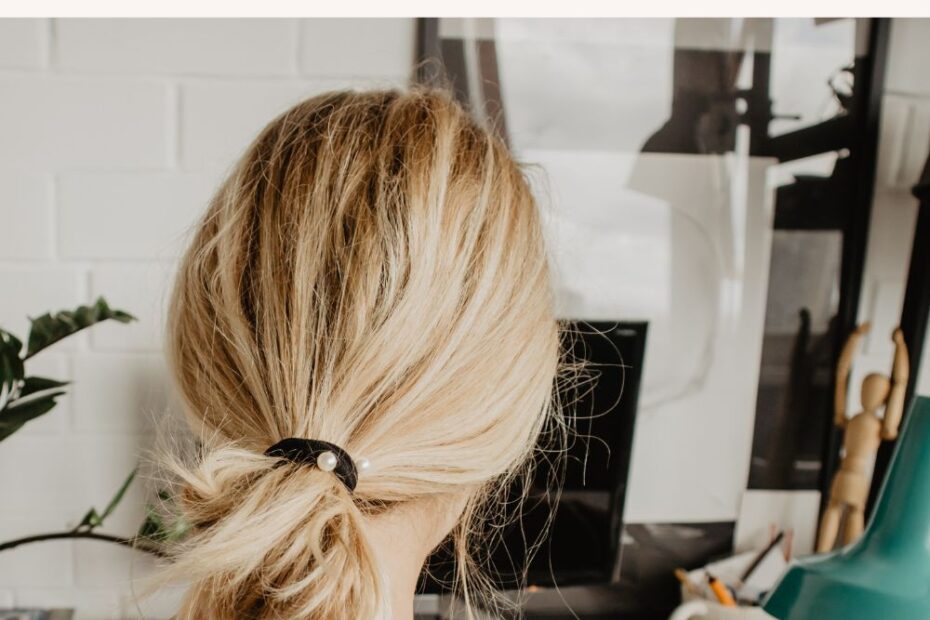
(112, 137)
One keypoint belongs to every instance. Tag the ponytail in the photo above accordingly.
(371, 275)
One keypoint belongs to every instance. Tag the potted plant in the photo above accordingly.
(25, 397)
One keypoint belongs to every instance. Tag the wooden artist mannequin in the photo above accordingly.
(865, 432)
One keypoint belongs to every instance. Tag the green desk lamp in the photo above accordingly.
(885, 575)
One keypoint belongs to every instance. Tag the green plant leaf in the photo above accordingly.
(90, 521)
(14, 416)
(35, 385)
(10, 343)
(93, 519)
(158, 529)
(153, 528)
(114, 502)
(49, 328)
(11, 368)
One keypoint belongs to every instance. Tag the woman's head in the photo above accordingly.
(371, 274)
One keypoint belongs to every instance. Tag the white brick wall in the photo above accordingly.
(113, 134)
(26, 213)
(381, 48)
(67, 122)
(219, 118)
(145, 214)
(179, 47)
(23, 43)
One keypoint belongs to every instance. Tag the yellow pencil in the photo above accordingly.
(686, 581)
(720, 591)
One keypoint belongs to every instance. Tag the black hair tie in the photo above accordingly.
(327, 456)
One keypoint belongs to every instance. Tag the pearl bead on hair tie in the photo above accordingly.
(327, 461)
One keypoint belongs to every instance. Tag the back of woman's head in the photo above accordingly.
(371, 274)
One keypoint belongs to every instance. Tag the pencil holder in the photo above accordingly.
(700, 609)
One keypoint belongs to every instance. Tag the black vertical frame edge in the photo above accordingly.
(621, 467)
(428, 67)
(914, 316)
(441, 62)
(915, 311)
(866, 125)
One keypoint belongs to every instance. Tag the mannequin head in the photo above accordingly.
(371, 274)
(875, 390)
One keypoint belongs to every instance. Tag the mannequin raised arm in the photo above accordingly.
(843, 366)
(900, 371)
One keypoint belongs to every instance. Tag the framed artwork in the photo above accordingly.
(712, 178)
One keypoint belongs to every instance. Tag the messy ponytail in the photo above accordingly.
(371, 274)
(272, 542)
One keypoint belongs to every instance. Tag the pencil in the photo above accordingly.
(761, 556)
(686, 581)
(720, 591)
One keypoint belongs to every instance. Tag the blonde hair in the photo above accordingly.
(372, 273)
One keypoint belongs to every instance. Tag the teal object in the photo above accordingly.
(886, 573)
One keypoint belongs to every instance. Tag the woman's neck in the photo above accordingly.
(403, 538)
(402, 568)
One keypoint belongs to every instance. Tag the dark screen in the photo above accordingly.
(584, 534)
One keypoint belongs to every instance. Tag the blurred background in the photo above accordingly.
(725, 200)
